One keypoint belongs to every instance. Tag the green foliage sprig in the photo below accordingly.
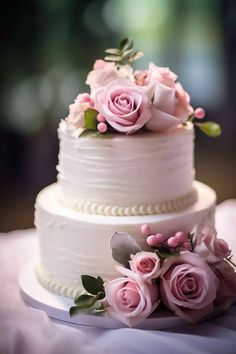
(89, 301)
(124, 54)
(211, 129)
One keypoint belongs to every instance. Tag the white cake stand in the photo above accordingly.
(57, 307)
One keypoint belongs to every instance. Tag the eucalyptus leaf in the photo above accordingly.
(211, 129)
(127, 53)
(115, 51)
(122, 246)
(90, 119)
(92, 285)
(126, 43)
(136, 56)
(113, 58)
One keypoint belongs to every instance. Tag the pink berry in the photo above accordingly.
(199, 113)
(151, 240)
(101, 118)
(102, 127)
(145, 229)
(172, 242)
(187, 246)
(160, 238)
(181, 236)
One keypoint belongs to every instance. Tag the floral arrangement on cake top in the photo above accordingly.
(122, 100)
(190, 274)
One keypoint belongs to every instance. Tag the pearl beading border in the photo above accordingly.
(111, 210)
(55, 286)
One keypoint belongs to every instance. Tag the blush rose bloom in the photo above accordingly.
(188, 286)
(171, 103)
(226, 294)
(105, 72)
(77, 109)
(146, 264)
(125, 106)
(208, 246)
(130, 299)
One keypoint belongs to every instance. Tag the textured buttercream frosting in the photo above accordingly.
(144, 173)
(73, 243)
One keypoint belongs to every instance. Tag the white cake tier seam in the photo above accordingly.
(115, 210)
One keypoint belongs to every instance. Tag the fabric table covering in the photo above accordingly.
(25, 330)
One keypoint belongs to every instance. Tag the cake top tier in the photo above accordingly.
(124, 101)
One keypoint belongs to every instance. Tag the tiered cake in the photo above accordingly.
(126, 192)
(115, 184)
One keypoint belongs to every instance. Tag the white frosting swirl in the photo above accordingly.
(120, 174)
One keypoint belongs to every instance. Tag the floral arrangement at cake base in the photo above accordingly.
(190, 274)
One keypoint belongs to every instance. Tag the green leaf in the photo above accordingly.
(127, 53)
(100, 309)
(74, 310)
(85, 301)
(126, 43)
(94, 134)
(113, 58)
(92, 285)
(86, 132)
(165, 252)
(136, 56)
(211, 129)
(100, 295)
(90, 119)
(114, 51)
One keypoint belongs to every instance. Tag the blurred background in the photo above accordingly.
(47, 47)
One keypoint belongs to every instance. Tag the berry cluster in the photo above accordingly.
(180, 239)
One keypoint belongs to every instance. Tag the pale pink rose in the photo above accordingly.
(146, 264)
(208, 246)
(154, 76)
(182, 108)
(226, 294)
(188, 286)
(163, 75)
(125, 106)
(130, 299)
(105, 72)
(77, 109)
(171, 104)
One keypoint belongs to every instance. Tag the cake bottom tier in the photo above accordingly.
(73, 243)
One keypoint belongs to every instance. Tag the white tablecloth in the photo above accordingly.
(28, 331)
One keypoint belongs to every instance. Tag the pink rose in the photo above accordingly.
(226, 294)
(130, 299)
(171, 104)
(208, 246)
(105, 72)
(125, 106)
(146, 264)
(188, 286)
(77, 109)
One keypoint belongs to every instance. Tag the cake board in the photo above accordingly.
(57, 307)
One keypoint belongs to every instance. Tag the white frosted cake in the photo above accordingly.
(126, 165)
